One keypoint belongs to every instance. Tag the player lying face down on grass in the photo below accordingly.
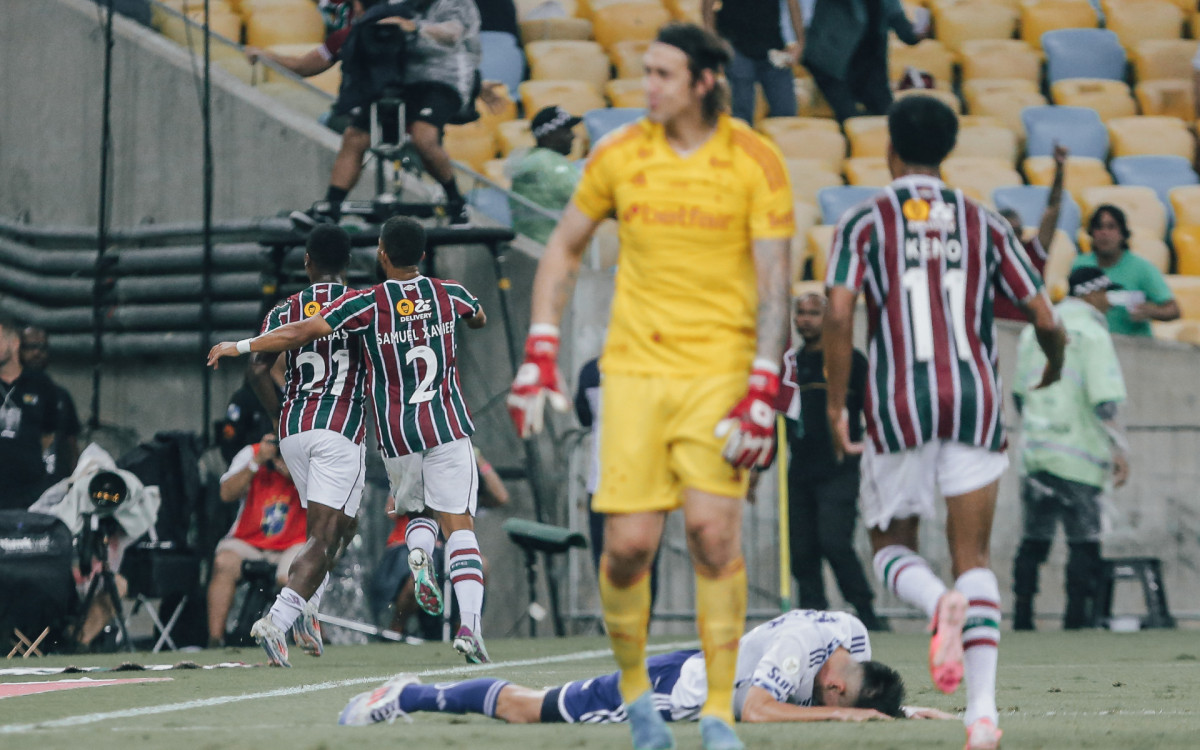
(805, 665)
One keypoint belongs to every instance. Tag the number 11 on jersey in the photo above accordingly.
(920, 306)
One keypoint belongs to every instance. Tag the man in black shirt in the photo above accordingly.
(60, 459)
(245, 422)
(752, 28)
(28, 415)
(823, 493)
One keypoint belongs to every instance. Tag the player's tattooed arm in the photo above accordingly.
(558, 270)
(772, 265)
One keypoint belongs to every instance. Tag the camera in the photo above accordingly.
(107, 491)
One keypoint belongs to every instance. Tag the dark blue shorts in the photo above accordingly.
(598, 700)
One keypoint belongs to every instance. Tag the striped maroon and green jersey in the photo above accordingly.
(928, 261)
(408, 336)
(326, 379)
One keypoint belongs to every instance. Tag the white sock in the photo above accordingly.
(287, 607)
(315, 599)
(421, 533)
(907, 575)
(981, 642)
(465, 566)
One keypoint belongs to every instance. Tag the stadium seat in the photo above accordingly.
(835, 201)
(1077, 128)
(227, 24)
(626, 92)
(570, 61)
(1134, 22)
(1062, 255)
(1141, 206)
(867, 171)
(1166, 98)
(1133, 136)
(809, 176)
(1006, 106)
(1155, 59)
(546, 9)
(1109, 98)
(688, 11)
(1080, 173)
(1187, 293)
(513, 136)
(868, 136)
(945, 97)
(977, 89)
(295, 24)
(1186, 239)
(601, 122)
(996, 58)
(1159, 173)
(626, 56)
(965, 21)
(1050, 15)
(1185, 204)
(1030, 202)
(978, 177)
(775, 126)
(812, 143)
(159, 17)
(627, 21)
(820, 240)
(576, 97)
(506, 109)
(473, 144)
(990, 141)
(502, 59)
(928, 55)
(547, 29)
(1083, 53)
(807, 217)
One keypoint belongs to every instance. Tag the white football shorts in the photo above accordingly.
(443, 478)
(328, 468)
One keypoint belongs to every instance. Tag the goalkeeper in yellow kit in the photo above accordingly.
(690, 368)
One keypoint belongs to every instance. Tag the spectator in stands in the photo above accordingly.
(61, 457)
(760, 55)
(545, 175)
(1073, 445)
(245, 420)
(846, 47)
(1145, 294)
(270, 526)
(439, 79)
(28, 420)
(1036, 247)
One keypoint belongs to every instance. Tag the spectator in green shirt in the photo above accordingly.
(1145, 296)
(545, 176)
(1072, 446)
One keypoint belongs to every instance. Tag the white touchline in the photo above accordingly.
(74, 721)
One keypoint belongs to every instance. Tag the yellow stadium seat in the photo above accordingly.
(945, 97)
(513, 136)
(1187, 293)
(577, 97)
(299, 24)
(496, 170)
(545, 29)
(829, 146)
(1006, 107)
(547, 9)
(1186, 238)
(868, 136)
(1152, 249)
(1133, 136)
(928, 55)
(1081, 173)
(159, 17)
(995, 58)
(965, 21)
(249, 7)
(506, 108)
(1163, 58)
(688, 11)
(1141, 206)
(820, 239)
(627, 57)
(977, 88)
(1048, 15)
(807, 217)
(1138, 21)
(1061, 256)
(809, 176)
(572, 60)
(1167, 98)
(772, 126)
(1109, 98)
(227, 23)
(994, 142)
(626, 92)
(867, 171)
(627, 21)
(978, 177)
(473, 144)
(1185, 202)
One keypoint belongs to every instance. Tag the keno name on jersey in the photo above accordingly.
(408, 335)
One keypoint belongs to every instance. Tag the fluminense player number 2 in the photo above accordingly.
(423, 393)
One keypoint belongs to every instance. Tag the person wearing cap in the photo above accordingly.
(1073, 447)
(1145, 296)
(545, 175)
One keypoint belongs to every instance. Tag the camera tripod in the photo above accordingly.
(93, 546)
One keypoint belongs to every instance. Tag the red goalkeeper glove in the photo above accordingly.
(749, 429)
(537, 382)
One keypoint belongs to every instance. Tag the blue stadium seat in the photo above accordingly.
(492, 203)
(1083, 53)
(836, 201)
(1030, 202)
(600, 122)
(1159, 173)
(1078, 128)
(502, 59)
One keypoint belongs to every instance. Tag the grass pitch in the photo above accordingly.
(1057, 690)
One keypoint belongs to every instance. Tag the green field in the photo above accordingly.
(1057, 690)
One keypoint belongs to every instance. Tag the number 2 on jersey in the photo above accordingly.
(423, 392)
(341, 361)
(954, 287)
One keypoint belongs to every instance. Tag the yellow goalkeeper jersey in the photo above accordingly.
(686, 293)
